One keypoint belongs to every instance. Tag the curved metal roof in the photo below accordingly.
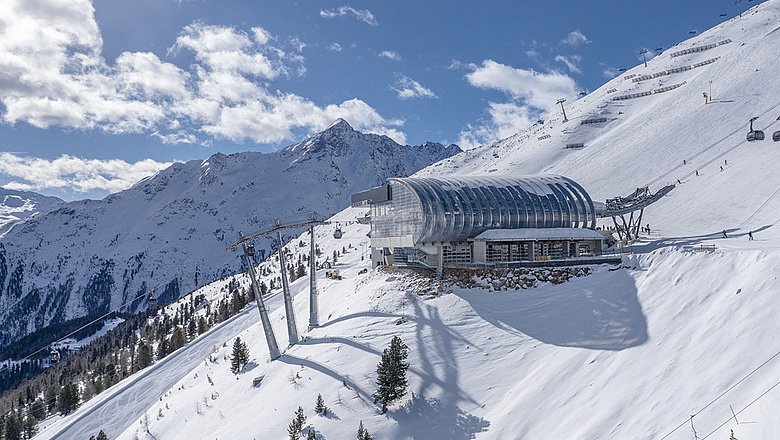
(458, 208)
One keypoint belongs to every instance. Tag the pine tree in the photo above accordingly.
(391, 374)
(320, 407)
(13, 427)
(311, 435)
(296, 425)
(144, 356)
(68, 399)
(239, 357)
(30, 426)
(101, 436)
(361, 431)
(38, 409)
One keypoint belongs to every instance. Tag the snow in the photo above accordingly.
(18, 206)
(629, 351)
(88, 257)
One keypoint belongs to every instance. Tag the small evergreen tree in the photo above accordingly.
(68, 399)
(38, 409)
(144, 356)
(391, 374)
(13, 427)
(30, 426)
(101, 436)
(311, 435)
(361, 431)
(320, 407)
(296, 425)
(239, 357)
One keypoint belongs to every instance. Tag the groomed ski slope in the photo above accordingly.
(628, 353)
(620, 354)
(646, 140)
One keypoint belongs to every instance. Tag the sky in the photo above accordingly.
(95, 95)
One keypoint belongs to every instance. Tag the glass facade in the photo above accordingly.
(454, 209)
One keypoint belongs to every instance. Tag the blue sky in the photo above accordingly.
(96, 94)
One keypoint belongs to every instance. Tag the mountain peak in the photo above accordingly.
(339, 124)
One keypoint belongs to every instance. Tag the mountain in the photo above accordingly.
(678, 342)
(650, 126)
(18, 206)
(170, 230)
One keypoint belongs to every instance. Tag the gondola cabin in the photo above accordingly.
(337, 234)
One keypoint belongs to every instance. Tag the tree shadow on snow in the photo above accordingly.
(600, 312)
(251, 365)
(425, 418)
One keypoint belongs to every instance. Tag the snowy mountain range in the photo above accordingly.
(169, 231)
(680, 341)
(17, 206)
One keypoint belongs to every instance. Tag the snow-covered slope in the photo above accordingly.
(18, 206)
(171, 229)
(645, 140)
(672, 341)
(626, 353)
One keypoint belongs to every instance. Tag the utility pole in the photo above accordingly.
(644, 52)
(314, 312)
(561, 101)
(292, 329)
(270, 338)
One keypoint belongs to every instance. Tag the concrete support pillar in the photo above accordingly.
(270, 338)
(531, 251)
(577, 249)
(566, 249)
(439, 259)
(289, 311)
(314, 312)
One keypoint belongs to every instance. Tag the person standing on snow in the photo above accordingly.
(724, 234)
(750, 235)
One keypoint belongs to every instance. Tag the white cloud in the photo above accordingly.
(408, 88)
(575, 38)
(335, 47)
(572, 62)
(363, 15)
(390, 55)
(539, 90)
(609, 72)
(506, 119)
(531, 94)
(69, 172)
(52, 73)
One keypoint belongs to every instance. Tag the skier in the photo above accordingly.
(678, 182)
(721, 168)
(697, 173)
(724, 234)
(725, 162)
(685, 162)
(750, 235)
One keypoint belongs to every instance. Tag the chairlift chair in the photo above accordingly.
(337, 234)
(776, 136)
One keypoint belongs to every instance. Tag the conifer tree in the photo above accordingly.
(296, 425)
(311, 435)
(239, 357)
(320, 407)
(68, 399)
(13, 427)
(361, 431)
(30, 426)
(144, 357)
(391, 374)
(101, 436)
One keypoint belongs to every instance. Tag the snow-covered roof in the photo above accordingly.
(539, 234)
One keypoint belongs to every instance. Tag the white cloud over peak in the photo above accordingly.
(408, 88)
(363, 15)
(390, 55)
(335, 47)
(52, 73)
(73, 173)
(572, 62)
(575, 38)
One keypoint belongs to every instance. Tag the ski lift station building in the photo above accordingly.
(479, 221)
